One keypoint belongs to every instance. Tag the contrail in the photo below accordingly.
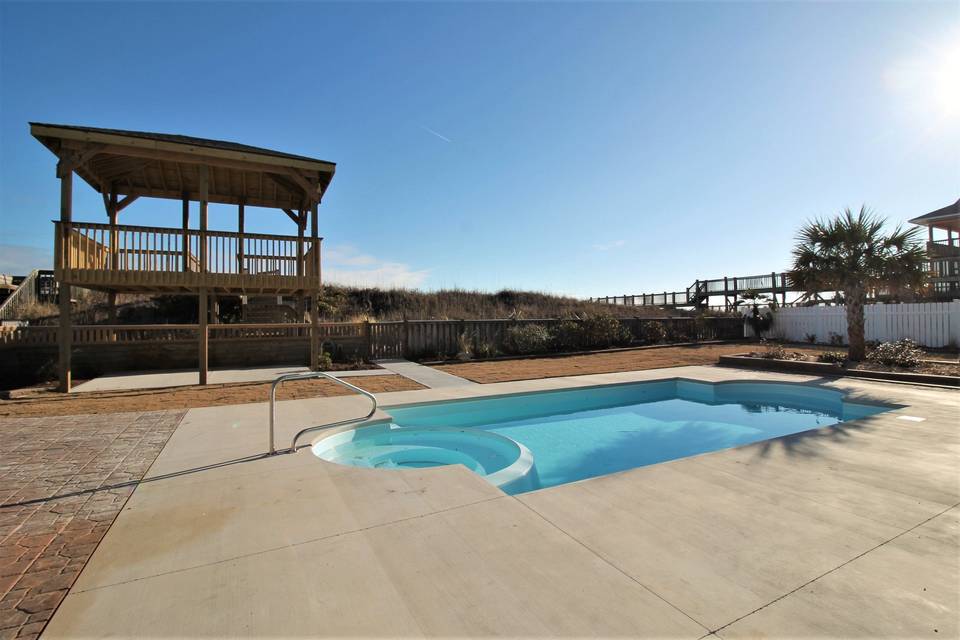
(442, 137)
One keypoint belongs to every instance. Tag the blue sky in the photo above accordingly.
(583, 148)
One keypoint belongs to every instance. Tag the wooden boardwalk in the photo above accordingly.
(699, 293)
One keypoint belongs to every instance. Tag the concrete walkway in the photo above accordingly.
(427, 376)
(851, 530)
(182, 378)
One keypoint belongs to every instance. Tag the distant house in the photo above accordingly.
(943, 247)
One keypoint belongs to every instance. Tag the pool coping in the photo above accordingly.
(602, 385)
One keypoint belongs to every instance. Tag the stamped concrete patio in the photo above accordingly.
(850, 530)
(44, 544)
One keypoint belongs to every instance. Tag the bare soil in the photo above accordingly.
(616, 361)
(46, 402)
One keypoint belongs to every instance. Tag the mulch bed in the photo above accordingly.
(940, 367)
(872, 371)
(613, 361)
(46, 402)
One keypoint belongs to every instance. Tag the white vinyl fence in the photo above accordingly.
(930, 324)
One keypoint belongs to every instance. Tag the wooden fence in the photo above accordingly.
(931, 324)
(374, 340)
(443, 338)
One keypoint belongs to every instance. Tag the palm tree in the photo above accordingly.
(851, 253)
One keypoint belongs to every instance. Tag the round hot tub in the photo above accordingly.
(503, 462)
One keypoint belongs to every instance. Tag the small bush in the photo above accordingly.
(836, 339)
(567, 336)
(525, 339)
(682, 332)
(701, 327)
(464, 346)
(602, 332)
(777, 352)
(774, 352)
(594, 332)
(902, 353)
(811, 338)
(326, 361)
(834, 357)
(653, 333)
(484, 349)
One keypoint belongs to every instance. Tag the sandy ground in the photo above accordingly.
(50, 403)
(633, 360)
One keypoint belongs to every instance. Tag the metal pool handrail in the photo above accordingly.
(307, 376)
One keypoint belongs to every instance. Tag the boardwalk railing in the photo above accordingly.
(699, 293)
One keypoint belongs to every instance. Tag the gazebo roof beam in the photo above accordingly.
(195, 147)
(270, 203)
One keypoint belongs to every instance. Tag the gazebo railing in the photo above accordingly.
(104, 247)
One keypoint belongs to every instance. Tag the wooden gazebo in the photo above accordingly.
(126, 165)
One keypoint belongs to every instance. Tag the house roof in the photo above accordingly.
(946, 218)
(162, 165)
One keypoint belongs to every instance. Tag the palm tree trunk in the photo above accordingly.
(856, 298)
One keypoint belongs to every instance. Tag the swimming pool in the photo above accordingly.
(576, 434)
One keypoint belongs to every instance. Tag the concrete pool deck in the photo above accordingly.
(129, 380)
(851, 530)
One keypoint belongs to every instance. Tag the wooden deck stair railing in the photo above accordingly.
(24, 295)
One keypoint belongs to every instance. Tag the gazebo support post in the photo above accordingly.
(315, 290)
(65, 328)
(301, 230)
(185, 215)
(112, 211)
(202, 333)
(240, 257)
(202, 293)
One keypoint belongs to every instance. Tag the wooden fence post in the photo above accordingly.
(204, 195)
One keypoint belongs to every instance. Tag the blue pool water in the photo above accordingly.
(578, 434)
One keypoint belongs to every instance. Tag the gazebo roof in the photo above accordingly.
(946, 218)
(160, 165)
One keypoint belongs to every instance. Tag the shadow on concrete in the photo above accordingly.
(134, 483)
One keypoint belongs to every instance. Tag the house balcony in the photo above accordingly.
(125, 258)
(944, 267)
(946, 248)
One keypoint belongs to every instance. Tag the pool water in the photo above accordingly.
(502, 461)
(582, 433)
